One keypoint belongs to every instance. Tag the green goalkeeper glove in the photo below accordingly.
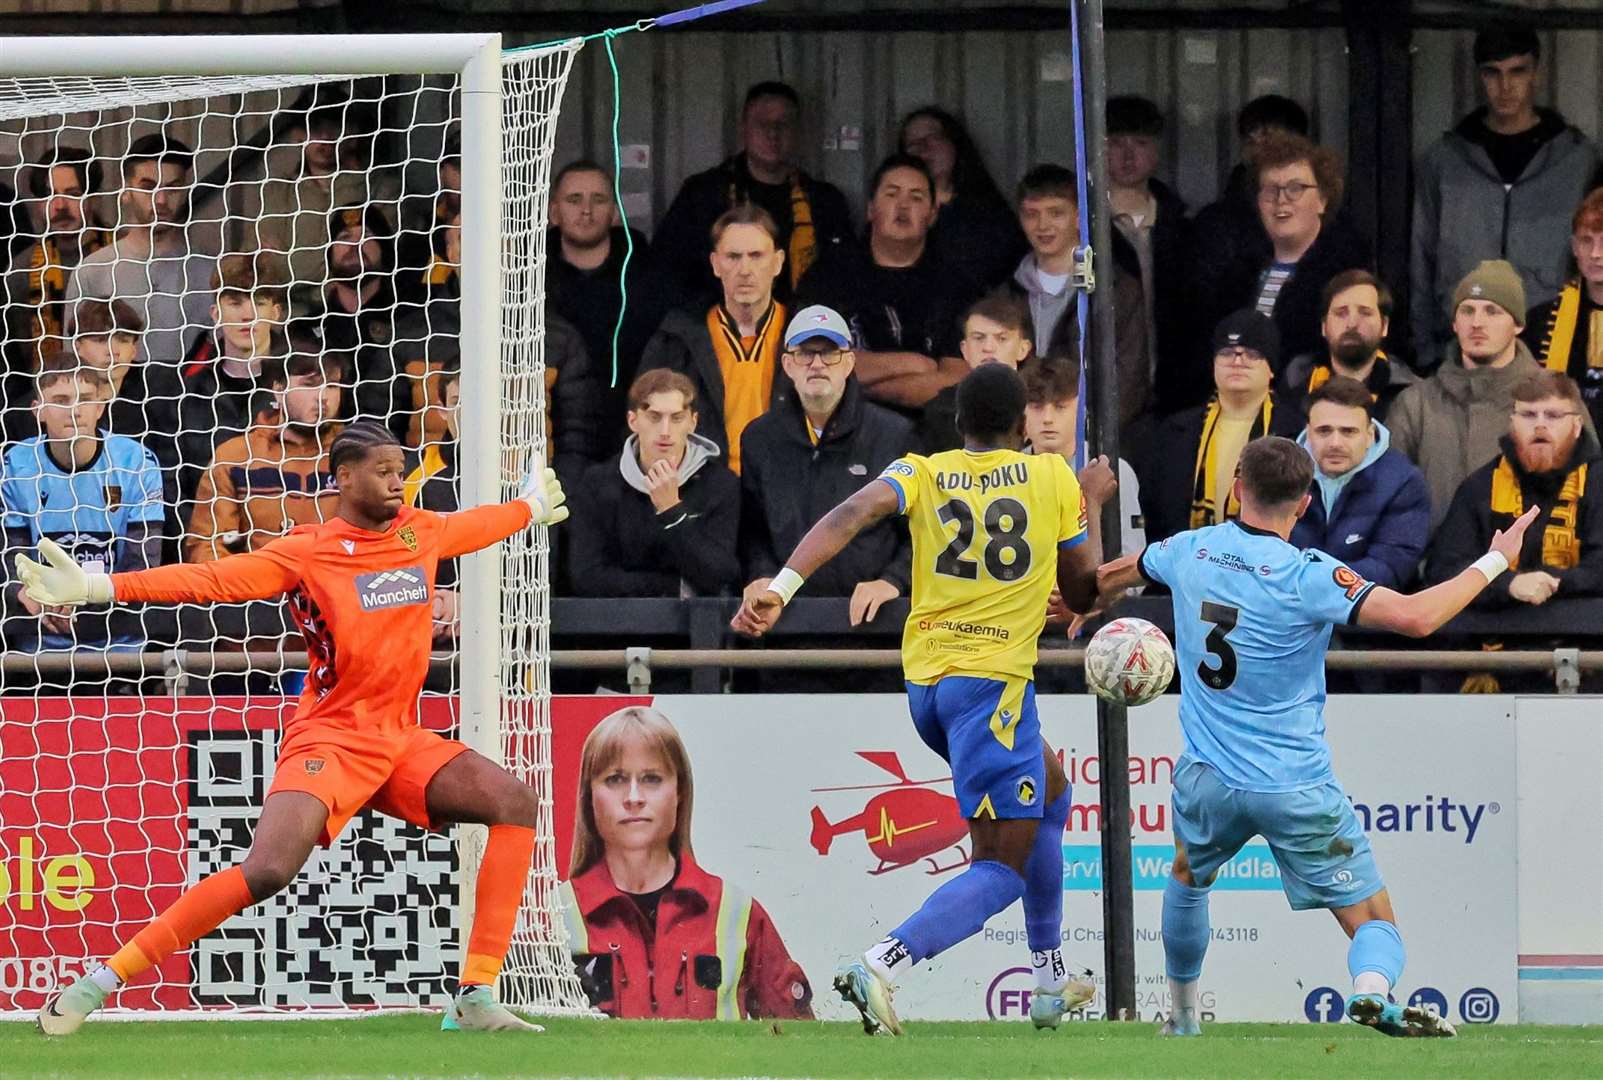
(543, 492)
(60, 581)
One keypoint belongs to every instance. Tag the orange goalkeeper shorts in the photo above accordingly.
(349, 770)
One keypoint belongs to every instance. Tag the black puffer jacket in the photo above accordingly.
(787, 484)
(620, 546)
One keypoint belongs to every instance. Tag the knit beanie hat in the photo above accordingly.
(1495, 280)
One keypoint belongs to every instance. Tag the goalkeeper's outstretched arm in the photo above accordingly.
(258, 575)
(542, 502)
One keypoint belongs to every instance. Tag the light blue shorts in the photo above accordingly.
(1323, 853)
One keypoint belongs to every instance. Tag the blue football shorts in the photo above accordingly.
(1323, 853)
(990, 733)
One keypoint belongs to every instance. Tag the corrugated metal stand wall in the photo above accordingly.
(681, 93)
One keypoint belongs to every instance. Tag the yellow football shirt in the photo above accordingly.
(986, 527)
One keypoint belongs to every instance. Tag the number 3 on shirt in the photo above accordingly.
(1007, 553)
(1223, 619)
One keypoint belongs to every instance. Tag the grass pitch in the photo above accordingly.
(413, 1046)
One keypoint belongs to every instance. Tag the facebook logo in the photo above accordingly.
(1430, 999)
(1323, 1005)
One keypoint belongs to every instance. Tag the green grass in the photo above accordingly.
(413, 1046)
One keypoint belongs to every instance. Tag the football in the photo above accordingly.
(1129, 662)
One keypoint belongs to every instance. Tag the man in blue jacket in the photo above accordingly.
(1370, 508)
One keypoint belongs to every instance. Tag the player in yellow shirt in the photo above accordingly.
(993, 530)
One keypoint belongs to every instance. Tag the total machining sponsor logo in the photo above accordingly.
(392, 588)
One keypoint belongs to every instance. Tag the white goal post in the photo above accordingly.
(60, 91)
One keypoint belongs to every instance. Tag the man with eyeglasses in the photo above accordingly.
(1303, 243)
(817, 446)
(1450, 424)
(1548, 459)
(1188, 471)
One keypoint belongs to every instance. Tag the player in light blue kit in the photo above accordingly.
(1253, 617)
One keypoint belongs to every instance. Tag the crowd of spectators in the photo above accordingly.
(164, 403)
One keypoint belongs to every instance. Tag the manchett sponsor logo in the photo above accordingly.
(392, 588)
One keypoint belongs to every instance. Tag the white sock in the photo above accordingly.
(1371, 982)
(105, 978)
(1051, 971)
(1184, 998)
(889, 959)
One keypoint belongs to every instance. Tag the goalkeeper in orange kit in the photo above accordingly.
(360, 588)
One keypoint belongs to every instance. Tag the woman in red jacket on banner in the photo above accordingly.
(653, 934)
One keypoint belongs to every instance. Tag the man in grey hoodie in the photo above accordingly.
(1450, 424)
(1499, 185)
(1049, 215)
(661, 519)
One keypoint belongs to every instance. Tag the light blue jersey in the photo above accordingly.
(1252, 618)
(89, 511)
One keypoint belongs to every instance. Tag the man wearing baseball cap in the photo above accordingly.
(820, 442)
(1450, 424)
(1188, 472)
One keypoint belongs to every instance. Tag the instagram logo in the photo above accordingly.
(1478, 1005)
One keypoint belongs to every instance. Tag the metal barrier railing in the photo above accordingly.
(176, 666)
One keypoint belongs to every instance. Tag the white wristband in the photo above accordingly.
(1492, 564)
(785, 583)
(99, 590)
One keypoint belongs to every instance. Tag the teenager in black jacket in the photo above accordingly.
(661, 519)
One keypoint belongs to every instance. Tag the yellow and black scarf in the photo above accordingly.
(46, 277)
(1559, 337)
(1561, 545)
(802, 251)
(1323, 373)
(1204, 495)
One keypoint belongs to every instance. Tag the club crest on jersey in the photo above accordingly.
(313, 766)
(1026, 791)
(113, 497)
(1348, 580)
(407, 537)
(392, 588)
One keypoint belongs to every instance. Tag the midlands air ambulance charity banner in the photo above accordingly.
(839, 821)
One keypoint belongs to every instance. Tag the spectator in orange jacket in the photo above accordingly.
(645, 921)
(276, 475)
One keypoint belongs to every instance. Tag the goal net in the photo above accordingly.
(224, 250)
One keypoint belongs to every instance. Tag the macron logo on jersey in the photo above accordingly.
(392, 588)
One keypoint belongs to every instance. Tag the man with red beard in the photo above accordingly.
(1549, 459)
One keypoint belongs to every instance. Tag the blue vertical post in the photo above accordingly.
(1100, 404)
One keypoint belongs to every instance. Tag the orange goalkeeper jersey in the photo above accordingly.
(363, 601)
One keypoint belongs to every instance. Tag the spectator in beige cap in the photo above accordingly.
(1450, 423)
